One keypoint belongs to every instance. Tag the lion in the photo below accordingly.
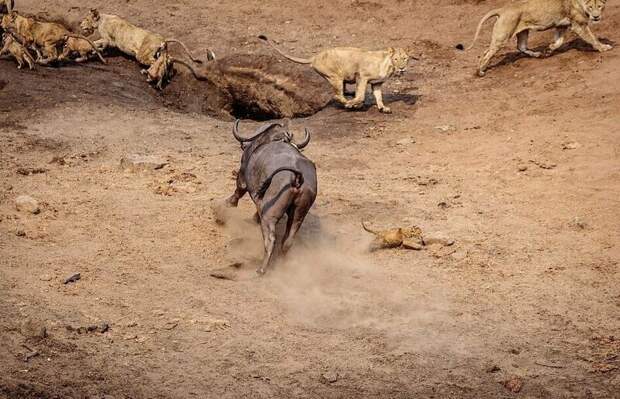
(406, 237)
(17, 50)
(342, 65)
(46, 36)
(521, 17)
(148, 48)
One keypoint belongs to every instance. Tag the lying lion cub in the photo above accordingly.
(19, 52)
(521, 17)
(342, 65)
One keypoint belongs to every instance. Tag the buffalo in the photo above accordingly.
(279, 179)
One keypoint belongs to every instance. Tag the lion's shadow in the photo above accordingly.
(575, 44)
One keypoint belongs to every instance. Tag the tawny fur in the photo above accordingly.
(342, 65)
(517, 19)
(19, 52)
(45, 38)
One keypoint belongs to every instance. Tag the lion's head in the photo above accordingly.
(594, 9)
(8, 20)
(90, 24)
(399, 58)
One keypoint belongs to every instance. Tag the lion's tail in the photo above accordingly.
(490, 14)
(290, 57)
(91, 44)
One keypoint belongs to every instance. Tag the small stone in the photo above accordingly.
(573, 145)
(438, 238)
(406, 141)
(72, 278)
(329, 377)
(129, 337)
(103, 327)
(493, 368)
(514, 384)
(20, 233)
(45, 277)
(33, 329)
(25, 203)
(208, 325)
(445, 128)
(139, 163)
(578, 223)
(522, 168)
(412, 244)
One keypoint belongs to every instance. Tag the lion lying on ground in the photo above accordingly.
(519, 18)
(19, 52)
(342, 65)
(45, 38)
(146, 47)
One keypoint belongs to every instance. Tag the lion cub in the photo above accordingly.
(521, 17)
(19, 52)
(342, 65)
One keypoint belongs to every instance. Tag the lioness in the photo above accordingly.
(145, 46)
(342, 65)
(19, 52)
(521, 17)
(48, 36)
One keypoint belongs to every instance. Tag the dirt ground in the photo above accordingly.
(520, 168)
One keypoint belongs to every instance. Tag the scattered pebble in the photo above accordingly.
(513, 384)
(25, 203)
(208, 325)
(30, 171)
(445, 128)
(573, 145)
(522, 168)
(139, 163)
(72, 278)
(329, 377)
(31, 328)
(493, 368)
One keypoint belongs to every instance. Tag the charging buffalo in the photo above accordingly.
(279, 179)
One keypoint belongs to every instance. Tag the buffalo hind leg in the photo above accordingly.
(296, 217)
(522, 44)
(268, 228)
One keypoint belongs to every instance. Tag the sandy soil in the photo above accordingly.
(521, 168)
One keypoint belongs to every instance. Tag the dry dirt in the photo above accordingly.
(520, 168)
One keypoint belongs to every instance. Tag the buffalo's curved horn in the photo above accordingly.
(235, 132)
(258, 132)
(306, 139)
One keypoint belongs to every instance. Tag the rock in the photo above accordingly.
(573, 145)
(72, 278)
(513, 384)
(30, 171)
(445, 128)
(170, 324)
(522, 168)
(329, 377)
(45, 277)
(20, 233)
(226, 273)
(492, 368)
(438, 238)
(544, 164)
(578, 223)
(410, 243)
(208, 325)
(31, 328)
(25, 203)
(141, 163)
(406, 141)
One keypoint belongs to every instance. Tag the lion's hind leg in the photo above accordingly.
(360, 94)
(522, 44)
(338, 85)
(502, 32)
